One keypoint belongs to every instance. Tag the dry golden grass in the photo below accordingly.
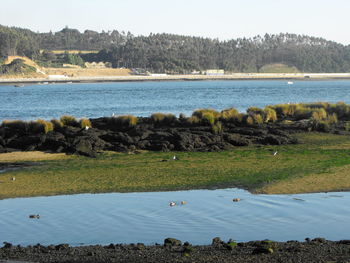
(31, 156)
(88, 72)
(336, 179)
(27, 61)
(73, 51)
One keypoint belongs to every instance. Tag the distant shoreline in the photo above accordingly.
(236, 76)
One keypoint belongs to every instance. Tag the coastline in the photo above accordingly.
(173, 250)
(134, 78)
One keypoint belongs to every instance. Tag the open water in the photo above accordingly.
(147, 217)
(144, 98)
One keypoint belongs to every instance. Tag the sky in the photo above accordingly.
(222, 19)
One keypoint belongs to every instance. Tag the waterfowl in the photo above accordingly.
(183, 202)
(172, 204)
(236, 199)
(275, 153)
(175, 158)
(34, 216)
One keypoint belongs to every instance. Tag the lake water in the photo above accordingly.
(147, 217)
(144, 98)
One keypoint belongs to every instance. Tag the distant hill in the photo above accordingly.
(169, 53)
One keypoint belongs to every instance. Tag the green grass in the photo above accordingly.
(248, 167)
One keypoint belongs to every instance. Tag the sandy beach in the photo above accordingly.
(236, 76)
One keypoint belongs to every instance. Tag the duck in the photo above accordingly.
(183, 202)
(172, 204)
(236, 199)
(34, 216)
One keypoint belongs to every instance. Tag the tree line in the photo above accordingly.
(171, 53)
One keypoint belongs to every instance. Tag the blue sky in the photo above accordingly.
(223, 19)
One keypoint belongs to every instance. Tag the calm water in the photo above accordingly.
(148, 218)
(144, 98)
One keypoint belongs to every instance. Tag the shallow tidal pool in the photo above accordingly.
(148, 217)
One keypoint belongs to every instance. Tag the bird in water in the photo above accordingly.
(172, 204)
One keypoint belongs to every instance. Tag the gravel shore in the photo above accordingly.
(315, 250)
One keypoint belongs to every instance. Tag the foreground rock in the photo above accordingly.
(316, 250)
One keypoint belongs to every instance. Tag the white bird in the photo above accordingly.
(87, 127)
(13, 179)
(175, 158)
(172, 204)
(275, 153)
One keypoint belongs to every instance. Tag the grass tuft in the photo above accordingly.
(68, 120)
(85, 123)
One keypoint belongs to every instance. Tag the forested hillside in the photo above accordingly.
(182, 54)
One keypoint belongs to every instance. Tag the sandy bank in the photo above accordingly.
(237, 76)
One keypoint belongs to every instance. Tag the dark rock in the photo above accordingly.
(236, 139)
(217, 241)
(25, 142)
(2, 141)
(84, 147)
(140, 246)
(55, 142)
(7, 245)
(319, 240)
(345, 242)
(119, 137)
(263, 250)
(62, 247)
(172, 242)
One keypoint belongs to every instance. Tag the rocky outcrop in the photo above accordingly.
(146, 135)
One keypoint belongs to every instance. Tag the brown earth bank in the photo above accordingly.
(173, 250)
